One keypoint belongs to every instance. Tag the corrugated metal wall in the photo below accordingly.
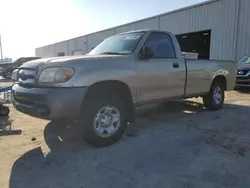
(243, 30)
(79, 43)
(61, 47)
(218, 16)
(95, 38)
(227, 20)
(151, 23)
(39, 52)
(46, 51)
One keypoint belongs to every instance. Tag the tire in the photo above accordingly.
(4, 111)
(100, 110)
(214, 100)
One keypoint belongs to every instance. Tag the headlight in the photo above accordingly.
(56, 75)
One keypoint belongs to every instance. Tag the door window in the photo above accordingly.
(161, 44)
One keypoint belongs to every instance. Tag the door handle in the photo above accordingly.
(176, 65)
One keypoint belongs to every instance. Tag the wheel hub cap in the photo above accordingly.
(107, 121)
(217, 95)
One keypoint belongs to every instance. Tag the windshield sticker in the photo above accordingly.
(132, 37)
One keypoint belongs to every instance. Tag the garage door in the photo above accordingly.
(77, 52)
(198, 42)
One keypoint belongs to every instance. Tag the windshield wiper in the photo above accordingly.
(110, 53)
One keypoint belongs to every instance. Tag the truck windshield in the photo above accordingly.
(123, 44)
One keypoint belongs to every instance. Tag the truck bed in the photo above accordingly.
(200, 72)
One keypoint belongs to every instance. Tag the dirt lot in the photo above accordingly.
(178, 144)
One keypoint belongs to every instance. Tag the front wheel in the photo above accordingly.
(214, 100)
(104, 119)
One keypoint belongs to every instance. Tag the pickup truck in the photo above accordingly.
(124, 71)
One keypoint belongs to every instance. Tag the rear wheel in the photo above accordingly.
(214, 100)
(104, 119)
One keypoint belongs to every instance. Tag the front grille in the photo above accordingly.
(244, 80)
(26, 76)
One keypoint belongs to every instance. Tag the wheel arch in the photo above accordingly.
(121, 88)
(221, 79)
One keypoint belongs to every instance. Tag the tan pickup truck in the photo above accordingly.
(124, 71)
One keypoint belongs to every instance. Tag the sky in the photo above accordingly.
(28, 24)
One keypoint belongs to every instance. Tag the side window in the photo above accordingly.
(162, 45)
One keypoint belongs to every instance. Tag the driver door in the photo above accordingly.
(162, 76)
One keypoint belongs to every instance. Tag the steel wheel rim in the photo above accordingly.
(217, 95)
(107, 121)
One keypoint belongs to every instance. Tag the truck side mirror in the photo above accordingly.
(146, 53)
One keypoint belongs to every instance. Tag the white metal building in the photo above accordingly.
(217, 29)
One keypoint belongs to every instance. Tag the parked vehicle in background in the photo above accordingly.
(122, 72)
(243, 73)
(8, 68)
(14, 75)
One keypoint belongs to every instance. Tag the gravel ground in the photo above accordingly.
(177, 145)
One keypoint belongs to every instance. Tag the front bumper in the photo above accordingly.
(243, 82)
(49, 103)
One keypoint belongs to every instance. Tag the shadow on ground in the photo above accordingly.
(169, 149)
(244, 90)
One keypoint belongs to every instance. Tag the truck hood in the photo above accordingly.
(70, 60)
(88, 69)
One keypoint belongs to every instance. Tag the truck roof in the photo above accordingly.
(142, 30)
